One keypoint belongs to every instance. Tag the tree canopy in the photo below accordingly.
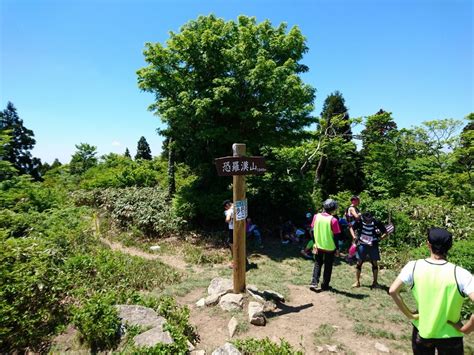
(219, 82)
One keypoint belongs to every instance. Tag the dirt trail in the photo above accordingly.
(296, 321)
(171, 260)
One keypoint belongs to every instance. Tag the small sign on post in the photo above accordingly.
(240, 210)
(238, 166)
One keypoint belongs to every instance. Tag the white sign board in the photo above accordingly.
(240, 210)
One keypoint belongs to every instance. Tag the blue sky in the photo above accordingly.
(70, 66)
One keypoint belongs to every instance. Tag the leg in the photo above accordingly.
(375, 272)
(317, 268)
(358, 272)
(450, 346)
(328, 263)
(421, 346)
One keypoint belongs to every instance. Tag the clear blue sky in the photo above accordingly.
(69, 66)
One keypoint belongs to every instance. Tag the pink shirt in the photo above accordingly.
(334, 223)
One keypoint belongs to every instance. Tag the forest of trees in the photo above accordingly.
(216, 83)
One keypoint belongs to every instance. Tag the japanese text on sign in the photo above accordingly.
(240, 166)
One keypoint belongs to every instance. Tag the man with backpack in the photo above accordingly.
(439, 288)
(366, 234)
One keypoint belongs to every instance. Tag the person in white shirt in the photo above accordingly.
(439, 288)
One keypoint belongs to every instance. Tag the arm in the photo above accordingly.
(469, 326)
(228, 215)
(395, 293)
(353, 213)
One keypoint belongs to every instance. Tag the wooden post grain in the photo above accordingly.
(239, 250)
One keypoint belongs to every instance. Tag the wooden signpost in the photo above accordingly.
(238, 166)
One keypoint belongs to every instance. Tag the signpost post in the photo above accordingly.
(238, 166)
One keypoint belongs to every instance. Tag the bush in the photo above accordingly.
(32, 290)
(104, 269)
(145, 208)
(98, 322)
(265, 347)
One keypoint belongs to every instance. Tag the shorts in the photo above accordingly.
(448, 346)
(368, 252)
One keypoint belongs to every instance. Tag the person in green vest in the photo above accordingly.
(326, 228)
(439, 288)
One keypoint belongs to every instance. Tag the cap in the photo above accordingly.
(439, 236)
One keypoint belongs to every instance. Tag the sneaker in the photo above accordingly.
(313, 287)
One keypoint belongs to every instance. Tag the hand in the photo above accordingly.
(315, 250)
(458, 325)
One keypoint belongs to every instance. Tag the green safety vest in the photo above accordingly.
(438, 298)
(323, 235)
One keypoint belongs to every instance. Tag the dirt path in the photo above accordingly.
(296, 321)
(171, 260)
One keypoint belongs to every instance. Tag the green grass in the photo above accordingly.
(323, 335)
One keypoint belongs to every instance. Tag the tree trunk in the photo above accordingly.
(171, 172)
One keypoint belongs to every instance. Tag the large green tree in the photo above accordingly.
(219, 82)
(17, 150)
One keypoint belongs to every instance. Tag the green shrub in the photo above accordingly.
(98, 322)
(32, 291)
(145, 208)
(104, 269)
(265, 347)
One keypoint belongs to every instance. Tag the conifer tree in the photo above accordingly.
(143, 150)
(17, 149)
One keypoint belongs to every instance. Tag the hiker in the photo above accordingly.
(287, 232)
(253, 231)
(307, 251)
(307, 226)
(366, 234)
(352, 212)
(229, 219)
(326, 227)
(439, 288)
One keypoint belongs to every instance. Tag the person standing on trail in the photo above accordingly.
(326, 227)
(352, 212)
(366, 234)
(439, 288)
(229, 219)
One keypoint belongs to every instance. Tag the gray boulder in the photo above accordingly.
(139, 315)
(152, 337)
(256, 315)
(226, 349)
(231, 301)
(220, 285)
